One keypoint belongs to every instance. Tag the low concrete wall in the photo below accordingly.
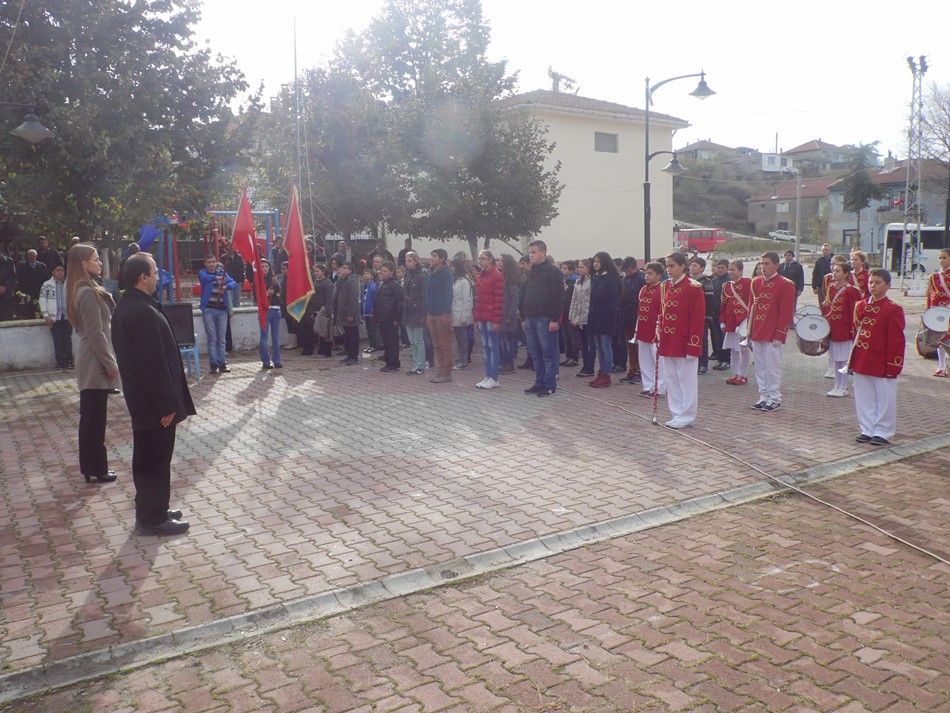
(27, 344)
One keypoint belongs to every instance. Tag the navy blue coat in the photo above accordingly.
(604, 304)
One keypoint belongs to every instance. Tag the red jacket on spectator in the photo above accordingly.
(489, 295)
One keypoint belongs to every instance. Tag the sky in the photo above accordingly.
(835, 71)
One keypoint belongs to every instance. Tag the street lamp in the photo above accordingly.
(701, 91)
(31, 129)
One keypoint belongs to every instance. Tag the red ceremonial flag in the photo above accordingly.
(299, 282)
(244, 240)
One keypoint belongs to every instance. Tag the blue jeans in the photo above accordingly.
(543, 348)
(236, 295)
(417, 342)
(216, 327)
(273, 326)
(605, 352)
(490, 347)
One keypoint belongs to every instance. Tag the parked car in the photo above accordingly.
(782, 235)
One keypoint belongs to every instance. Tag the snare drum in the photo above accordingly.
(813, 334)
(806, 311)
(935, 322)
(923, 347)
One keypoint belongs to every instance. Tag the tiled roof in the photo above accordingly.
(705, 145)
(811, 188)
(897, 175)
(546, 99)
(813, 145)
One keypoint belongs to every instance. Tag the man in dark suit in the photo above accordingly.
(46, 255)
(792, 270)
(822, 268)
(30, 278)
(153, 382)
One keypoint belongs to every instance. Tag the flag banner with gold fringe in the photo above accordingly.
(299, 281)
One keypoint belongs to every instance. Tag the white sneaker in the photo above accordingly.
(490, 384)
(830, 374)
(481, 384)
(835, 393)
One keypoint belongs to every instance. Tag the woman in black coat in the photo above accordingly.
(602, 319)
(322, 297)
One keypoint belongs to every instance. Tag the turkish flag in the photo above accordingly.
(244, 240)
(299, 282)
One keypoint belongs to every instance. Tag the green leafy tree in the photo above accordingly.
(859, 189)
(141, 117)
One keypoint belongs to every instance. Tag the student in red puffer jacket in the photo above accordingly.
(489, 300)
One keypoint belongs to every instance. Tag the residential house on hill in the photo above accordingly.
(704, 150)
(775, 208)
(818, 156)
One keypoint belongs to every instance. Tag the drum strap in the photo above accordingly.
(738, 297)
(943, 284)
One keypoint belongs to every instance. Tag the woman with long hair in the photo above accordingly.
(89, 309)
(272, 322)
(508, 332)
(463, 304)
(577, 316)
(602, 321)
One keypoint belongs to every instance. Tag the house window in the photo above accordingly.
(781, 207)
(771, 160)
(608, 143)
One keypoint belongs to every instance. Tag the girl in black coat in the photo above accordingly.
(602, 319)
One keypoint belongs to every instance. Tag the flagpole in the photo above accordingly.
(297, 102)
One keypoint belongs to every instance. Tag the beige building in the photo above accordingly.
(600, 147)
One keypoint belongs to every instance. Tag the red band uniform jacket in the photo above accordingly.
(838, 309)
(879, 344)
(860, 280)
(936, 294)
(648, 313)
(731, 313)
(773, 301)
(682, 315)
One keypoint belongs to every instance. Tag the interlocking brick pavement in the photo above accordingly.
(321, 476)
(779, 605)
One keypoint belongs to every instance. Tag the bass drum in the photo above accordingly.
(813, 335)
(934, 324)
(806, 311)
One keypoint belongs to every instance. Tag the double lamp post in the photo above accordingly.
(674, 167)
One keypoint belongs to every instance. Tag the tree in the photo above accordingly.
(859, 189)
(141, 118)
(460, 152)
(936, 123)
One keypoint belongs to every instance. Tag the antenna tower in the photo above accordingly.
(913, 212)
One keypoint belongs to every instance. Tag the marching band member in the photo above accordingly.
(682, 319)
(838, 309)
(648, 315)
(938, 294)
(736, 298)
(773, 301)
(859, 273)
(828, 280)
(876, 360)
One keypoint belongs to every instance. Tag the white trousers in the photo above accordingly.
(682, 388)
(942, 358)
(740, 361)
(647, 354)
(875, 402)
(768, 370)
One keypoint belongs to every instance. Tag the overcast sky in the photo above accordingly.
(806, 70)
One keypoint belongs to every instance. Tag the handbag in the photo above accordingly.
(321, 323)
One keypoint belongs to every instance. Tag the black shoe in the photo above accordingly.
(266, 366)
(771, 406)
(368, 350)
(389, 369)
(213, 370)
(534, 389)
(174, 514)
(107, 478)
(224, 370)
(583, 373)
(167, 528)
(527, 365)
(415, 372)
(278, 366)
(722, 366)
(114, 392)
(350, 362)
(862, 438)
(879, 441)
(546, 392)
(703, 370)
(758, 406)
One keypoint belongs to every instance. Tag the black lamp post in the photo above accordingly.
(31, 129)
(701, 91)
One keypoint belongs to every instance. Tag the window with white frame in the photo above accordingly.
(781, 207)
